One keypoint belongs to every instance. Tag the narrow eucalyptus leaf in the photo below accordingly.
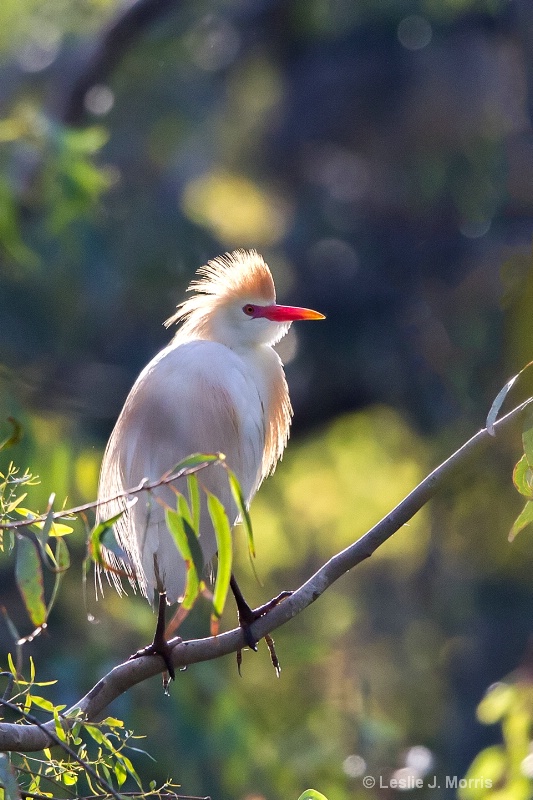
(197, 460)
(29, 578)
(176, 526)
(242, 509)
(222, 528)
(523, 478)
(524, 519)
(194, 501)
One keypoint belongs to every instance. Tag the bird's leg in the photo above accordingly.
(248, 615)
(159, 646)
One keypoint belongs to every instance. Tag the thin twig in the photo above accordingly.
(144, 486)
(124, 676)
(57, 740)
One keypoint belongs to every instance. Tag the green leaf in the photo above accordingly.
(527, 439)
(15, 437)
(69, 778)
(60, 733)
(497, 703)
(243, 511)
(112, 722)
(120, 773)
(95, 541)
(222, 528)
(192, 534)
(524, 519)
(8, 779)
(312, 794)
(499, 400)
(487, 769)
(62, 563)
(29, 578)
(181, 533)
(197, 461)
(11, 665)
(42, 702)
(194, 500)
(131, 769)
(523, 478)
(12, 506)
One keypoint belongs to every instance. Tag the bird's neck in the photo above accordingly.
(265, 368)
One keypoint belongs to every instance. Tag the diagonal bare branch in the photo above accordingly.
(29, 738)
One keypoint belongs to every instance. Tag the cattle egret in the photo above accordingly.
(219, 386)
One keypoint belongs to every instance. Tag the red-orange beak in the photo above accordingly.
(286, 313)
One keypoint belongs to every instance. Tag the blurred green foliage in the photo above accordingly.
(386, 184)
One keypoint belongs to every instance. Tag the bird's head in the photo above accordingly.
(234, 302)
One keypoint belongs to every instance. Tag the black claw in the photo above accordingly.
(247, 616)
(160, 646)
(158, 649)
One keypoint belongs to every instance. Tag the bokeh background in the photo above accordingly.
(380, 156)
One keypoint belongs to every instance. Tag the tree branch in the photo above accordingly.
(144, 486)
(113, 44)
(29, 738)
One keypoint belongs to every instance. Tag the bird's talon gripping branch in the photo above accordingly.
(247, 616)
(160, 646)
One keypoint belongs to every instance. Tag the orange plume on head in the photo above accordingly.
(242, 273)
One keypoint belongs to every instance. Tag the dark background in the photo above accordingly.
(380, 156)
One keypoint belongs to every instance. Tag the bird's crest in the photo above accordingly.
(242, 273)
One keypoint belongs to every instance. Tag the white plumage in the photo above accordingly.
(218, 387)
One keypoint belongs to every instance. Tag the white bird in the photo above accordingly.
(219, 386)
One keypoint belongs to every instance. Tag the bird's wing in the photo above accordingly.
(197, 397)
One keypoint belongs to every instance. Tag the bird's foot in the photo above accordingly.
(247, 616)
(160, 646)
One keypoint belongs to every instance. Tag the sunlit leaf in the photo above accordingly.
(192, 534)
(487, 769)
(60, 733)
(524, 519)
(496, 703)
(243, 511)
(312, 794)
(112, 722)
(29, 578)
(8, 779)
(120, 773)
(194, 500)
(95, 541)
(62, 563)
(527, 439)
(11, 665)
(43, 703)
(222, 528)
(131, 769)
(197, 460)
(12, 506)
(178, 529)
(54, 528)
(69, 778)
(523, 478)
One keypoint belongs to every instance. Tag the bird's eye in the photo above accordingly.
(248, 309)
